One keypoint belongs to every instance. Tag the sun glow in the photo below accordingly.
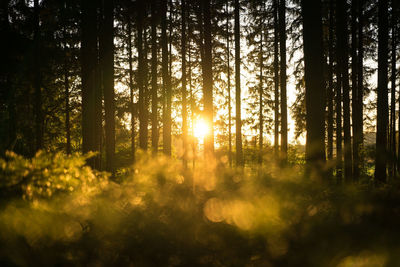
(201, 129)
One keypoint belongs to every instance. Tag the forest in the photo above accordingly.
(200, 133)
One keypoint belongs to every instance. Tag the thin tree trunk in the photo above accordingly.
(141, 77)
(166, 83)
(132, 109)
(382, 99)
(393, 94)
(37, 80)
(330, 92)
(315, 85)
(260, 89)
(184, 101)
(239, 152)
(359, 136)
(154, 86)
(228, 55)
(282, 44)
(342, 51)
(354, 89)
(208, 80)
(66, 95)
(276, 78)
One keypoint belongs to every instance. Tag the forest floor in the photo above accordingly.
(57, 212)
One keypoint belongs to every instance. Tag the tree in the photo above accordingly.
(276, 76)
(315, 84)
(208, 79)
(330, 88)
(108, 82)
(183, 78)
(166, 82)
(282, 53)
(88, 68)
(154, 76)
(239, 153)
(382, 94)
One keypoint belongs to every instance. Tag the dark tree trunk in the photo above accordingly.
(343, 64)
(261, 89)
(141, 77)
(239, 152)
(66, 95)
(108, 83)
(382, 98)
(166, 82)
(184, 101)
(359, 135)
(315, 85)
(88, 67)
(228, 55)
(276, 77)
(154, 85)
(354, 89)
(131, 104)
(37, 83)
(282, 48)
(393, 146)
(208, 80)
(330, 91)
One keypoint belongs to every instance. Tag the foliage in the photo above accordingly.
(162, 215)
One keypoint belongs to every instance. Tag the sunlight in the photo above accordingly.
(201, 129)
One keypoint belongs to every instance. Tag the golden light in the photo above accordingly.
(201, 129)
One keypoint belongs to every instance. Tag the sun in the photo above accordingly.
(201, 129)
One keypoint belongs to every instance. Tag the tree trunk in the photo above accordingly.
(393, 159)
(131, 104)
(359, 135)
(315, 85)
(239, 152)
(166, 82)
(330, 91)
(208, 80)
(184, 101)
(342, 53)
(354, 89)
(66, 95)
(154, 85)
(141, 77)
(276, 77)
(37, 79)
(228, 55)
(261, 88)
(382, 98)
(282, 44)
(88, 67)
(108, 83)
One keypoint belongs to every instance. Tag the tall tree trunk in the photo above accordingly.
(208, 80)
(66, 94)
(382, 99)
(359, 135)
(166, 82)
(108, 83)
(282, 45)
(141, 77)
(276, 77)
(393, 159)
(239, 152)
(88, 67)
(37, 83)
(154, 85)
(261, 88)
(339, 134)
(315, 85)
(330, 91)
(132, 106)
(228, 55)
(184, 101)
(354, 89)
(342, 52)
